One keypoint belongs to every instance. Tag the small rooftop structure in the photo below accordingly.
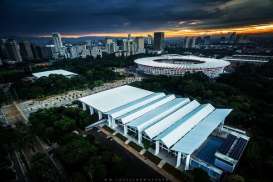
(54, 72)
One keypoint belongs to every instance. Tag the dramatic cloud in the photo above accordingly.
(39, 17)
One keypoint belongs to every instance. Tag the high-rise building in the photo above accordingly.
(3, 49)
(188, 42)
(193, 43)
(140, 45)
(82, 50)
(232, 38)
(71, 51)
(26, 51)
(35, 51)
(57, 40)
(207, 40)
(51, 51)
(132, 47)
(96, 52)
(159, 41)
(129, 36)
(111, 46)
(120, 44)
(125, 45)
(150, 40)
(13, 50)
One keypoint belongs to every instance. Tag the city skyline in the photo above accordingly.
(118, 18)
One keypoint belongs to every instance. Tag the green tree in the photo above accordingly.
(75, 150)
(233, 178)
(65, 125)
(200, 175)
(43, 170)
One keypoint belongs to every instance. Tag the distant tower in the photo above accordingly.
(159, 42)
(3, 49)
(26, 51)
(124, 44)
(111, 46)
(57, 41)
(13, 51)
(206, 40)
(150, 40)
(187, 42)
(140, 45)
(194, 41)
(129, 36)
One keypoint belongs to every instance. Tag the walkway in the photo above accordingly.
(141, 157)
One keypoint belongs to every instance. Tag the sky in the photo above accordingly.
(74, 18)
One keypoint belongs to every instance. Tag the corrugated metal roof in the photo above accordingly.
(135, 104)
(142, 110)
(113, 98)
(166, 122)
(175, 132)
(157, 114)
(194, 139)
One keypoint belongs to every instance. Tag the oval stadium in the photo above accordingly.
(175, 65)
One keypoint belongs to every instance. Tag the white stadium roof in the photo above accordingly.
(113, 98)
(194, 139)
(204, 63)
(55, 72)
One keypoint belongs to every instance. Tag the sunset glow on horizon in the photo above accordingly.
(172, 33)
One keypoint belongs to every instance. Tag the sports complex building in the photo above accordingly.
(175, 65)
(183, 132)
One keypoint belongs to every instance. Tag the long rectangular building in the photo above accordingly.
(175, 127)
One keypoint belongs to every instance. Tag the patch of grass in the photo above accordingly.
(152, 157)
(135, 146)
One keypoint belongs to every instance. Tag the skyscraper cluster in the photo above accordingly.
(135, 45)
(125, 47)
(13, 52)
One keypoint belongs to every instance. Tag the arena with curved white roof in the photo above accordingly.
(180, 131)
(175, 65)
